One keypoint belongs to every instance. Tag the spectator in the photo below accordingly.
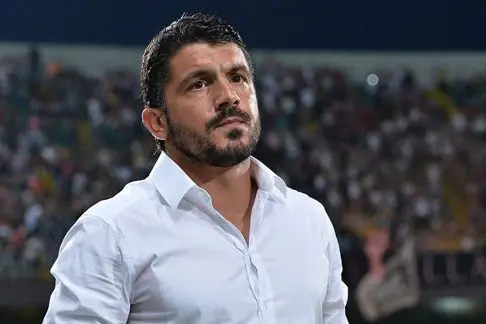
(377, 154)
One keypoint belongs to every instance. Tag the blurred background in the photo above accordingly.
(375, 108)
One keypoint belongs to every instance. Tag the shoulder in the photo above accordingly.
(311, 209)
(118, 214)
(103, 229)
(135, 196)
(307, 205)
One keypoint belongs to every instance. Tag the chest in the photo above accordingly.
(204, 272)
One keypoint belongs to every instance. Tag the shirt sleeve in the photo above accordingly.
(334, 306)
(92, 277)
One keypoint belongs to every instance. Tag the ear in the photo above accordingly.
(153, 119)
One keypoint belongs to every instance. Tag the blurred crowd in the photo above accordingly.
(378, 153)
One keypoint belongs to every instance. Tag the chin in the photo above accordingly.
(227, 143)
(229, 138)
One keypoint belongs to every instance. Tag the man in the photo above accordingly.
(212, 235)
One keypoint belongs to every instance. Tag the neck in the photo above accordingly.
(230, 188)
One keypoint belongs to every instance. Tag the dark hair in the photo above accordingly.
(189, 29)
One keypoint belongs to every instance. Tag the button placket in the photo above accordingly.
(253, 255)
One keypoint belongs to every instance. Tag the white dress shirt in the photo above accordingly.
(159, 253)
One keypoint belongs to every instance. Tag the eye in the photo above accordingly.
(198, 85)
(237, 78)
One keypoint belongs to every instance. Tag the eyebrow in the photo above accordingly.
(239, 67)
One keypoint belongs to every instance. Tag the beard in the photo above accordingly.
(200, 149)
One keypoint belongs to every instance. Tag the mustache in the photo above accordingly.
(230, 112)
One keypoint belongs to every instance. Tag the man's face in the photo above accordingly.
(212, 112)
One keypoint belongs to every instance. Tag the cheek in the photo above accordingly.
(192, 116)
(253, 105)
(252, 102)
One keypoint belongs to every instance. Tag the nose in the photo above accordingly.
(225, 95)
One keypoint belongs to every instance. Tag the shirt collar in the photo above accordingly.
(173, 184)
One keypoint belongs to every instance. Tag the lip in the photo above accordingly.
(231, 121)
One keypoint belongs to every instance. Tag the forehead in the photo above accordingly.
(200, 56)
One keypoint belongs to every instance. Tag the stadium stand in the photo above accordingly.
(383, 153)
